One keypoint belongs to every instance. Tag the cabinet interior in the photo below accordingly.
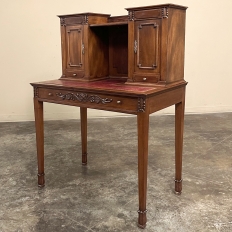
(108, 51)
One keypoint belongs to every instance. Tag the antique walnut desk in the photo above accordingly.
(131, 64)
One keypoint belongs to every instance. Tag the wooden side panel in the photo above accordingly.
(176, 45)
(98, 52)
(166, 99)
(118, 50)
(63, 49)
(131, 39)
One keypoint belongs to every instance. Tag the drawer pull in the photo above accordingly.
(49, 94)
(119, 102)
(144, 79)
(74, 74)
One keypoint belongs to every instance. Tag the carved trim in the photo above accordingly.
(40, 174)
(131, 15)
(62, 22)
(142, 212)
(165, 12)
(178, 181)
(135, 46)
(36, 92)
(83, 97)
(86, 19)
(141, 104)
(83, 48)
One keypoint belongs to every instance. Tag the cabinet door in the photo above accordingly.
(75, 51)
(147, 50)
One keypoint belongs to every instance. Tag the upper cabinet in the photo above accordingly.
(158, 38)
(147, 46)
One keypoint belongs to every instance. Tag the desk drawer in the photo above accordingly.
(89, 100)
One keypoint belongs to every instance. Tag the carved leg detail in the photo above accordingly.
(39, 126)
(178, 186)
(84, 158)
(83, 112)
(179, 128)
(143, 128)
(142, 219)
(41, 180)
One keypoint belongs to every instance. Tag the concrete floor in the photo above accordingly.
(103, 195)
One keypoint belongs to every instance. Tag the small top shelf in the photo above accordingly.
(108, 24)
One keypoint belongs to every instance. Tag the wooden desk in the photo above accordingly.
(131, 64)
(114, 95)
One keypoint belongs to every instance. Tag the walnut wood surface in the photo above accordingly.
(143, 129)
(132, 64)
(39, 125)
(83, 116)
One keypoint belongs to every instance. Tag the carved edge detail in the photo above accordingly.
(131, 15)
(36, 92)
(141, 104)
(165, 12)
(178, 181)
(62, 22)
(83, 97)
(86, 19)
(142, 212)
(40, 174)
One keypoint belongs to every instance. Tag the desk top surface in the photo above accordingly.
(107, 85)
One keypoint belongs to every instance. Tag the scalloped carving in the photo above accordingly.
(141, 104)
(131, 15)
(83, 97)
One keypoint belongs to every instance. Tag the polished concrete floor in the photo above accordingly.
(103, 195)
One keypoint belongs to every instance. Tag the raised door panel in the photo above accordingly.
(75, 51)
(147, 50)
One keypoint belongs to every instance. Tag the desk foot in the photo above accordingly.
(178, 186)
(84, 158)
(142, 219)
(141, 226)
(41, 180)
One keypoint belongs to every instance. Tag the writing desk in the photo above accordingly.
(118, 97)
(131, 64)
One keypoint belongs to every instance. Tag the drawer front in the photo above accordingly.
(72, 20)
(74, 74)
(146, 14)
(90, 100)
(146, 78)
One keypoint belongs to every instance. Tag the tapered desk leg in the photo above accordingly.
(83, 111)
(179, 129)
(143, 129)
(39, 126)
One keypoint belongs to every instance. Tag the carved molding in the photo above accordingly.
(135, 46)
(70, 49)
(83, 97)
(142, 212)
(36, 92)
(131, 15)
(141, 104)
(62, 22)
(165, 12)
(86, 19)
